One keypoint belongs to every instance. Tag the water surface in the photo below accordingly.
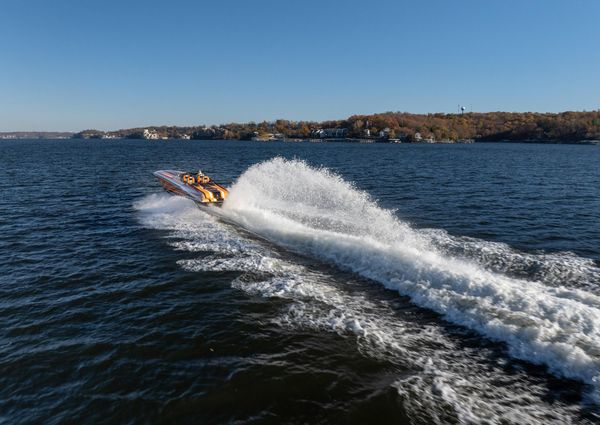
(121, 304)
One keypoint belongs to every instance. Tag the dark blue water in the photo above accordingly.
(119, 304)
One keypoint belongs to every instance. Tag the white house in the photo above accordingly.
(150, 134)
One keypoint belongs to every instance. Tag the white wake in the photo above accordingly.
(317, 213)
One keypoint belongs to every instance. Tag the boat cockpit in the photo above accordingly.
(195, 179)
(212, 192)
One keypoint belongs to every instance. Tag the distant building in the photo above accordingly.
(150, 134)
(185, 136)
(332, 133)
(385, 133)
(264, 137)
(418, 137)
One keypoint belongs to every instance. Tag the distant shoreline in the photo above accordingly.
(389, 127)
(329, 141)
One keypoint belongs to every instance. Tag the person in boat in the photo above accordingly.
(202, 178)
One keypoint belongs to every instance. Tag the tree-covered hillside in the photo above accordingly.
(491, 126)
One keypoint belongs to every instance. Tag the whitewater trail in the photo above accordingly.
(315, 212)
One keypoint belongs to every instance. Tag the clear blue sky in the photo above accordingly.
(107, 64)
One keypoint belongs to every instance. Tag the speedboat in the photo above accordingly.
(196, 186)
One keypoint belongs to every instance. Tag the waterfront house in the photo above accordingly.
(150, 134)
(385, 133)
(264, 137)
(332, 133)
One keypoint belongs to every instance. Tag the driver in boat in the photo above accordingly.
(202, 178)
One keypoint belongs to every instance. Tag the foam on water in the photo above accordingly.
(557, 269)
(315, 212)
(451, 386)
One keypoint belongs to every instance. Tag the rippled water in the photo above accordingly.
(468, 292)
